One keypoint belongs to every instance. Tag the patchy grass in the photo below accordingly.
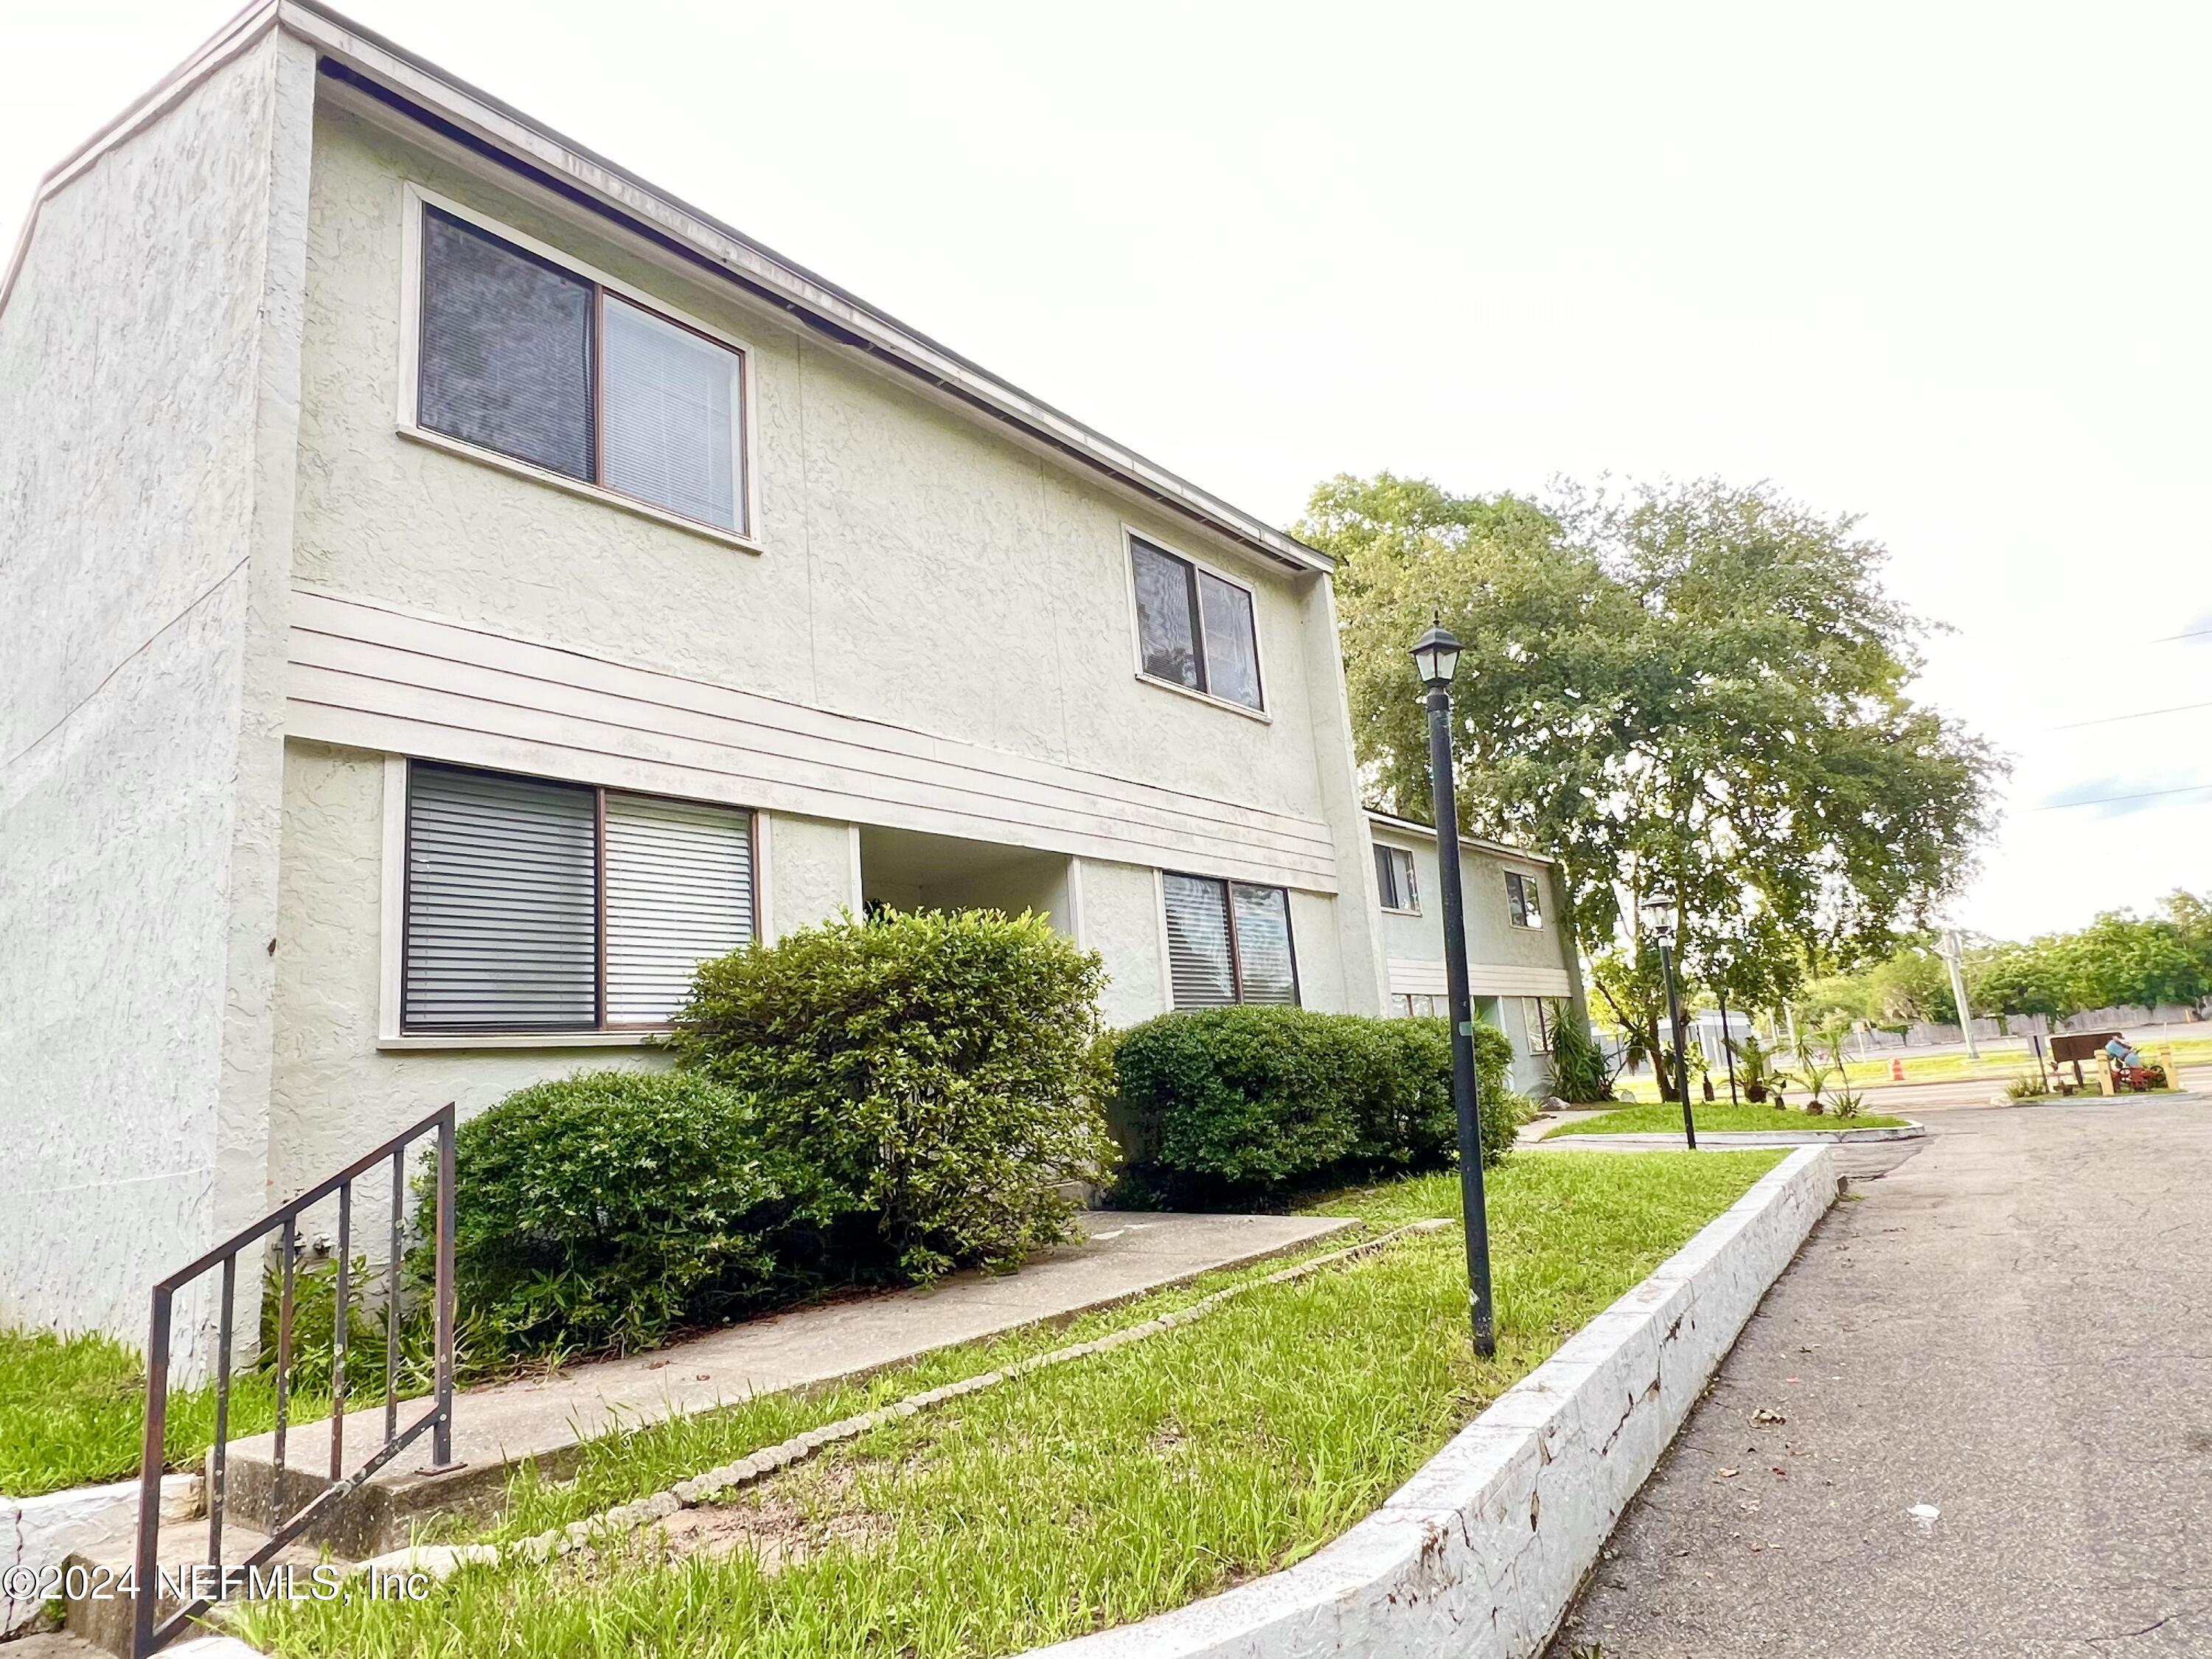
(73, 1413)
(1666, 1118)
(1100, 1491)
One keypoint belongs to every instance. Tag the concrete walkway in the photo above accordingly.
(1123, 1255)
(1974, 1417)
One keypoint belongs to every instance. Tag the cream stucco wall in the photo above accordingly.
(148, 370)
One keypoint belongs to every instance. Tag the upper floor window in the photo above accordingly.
(537, 906)
(1394, 875)
(524, 356)
(1195, 629)
(1228, 941)
(1520, 900)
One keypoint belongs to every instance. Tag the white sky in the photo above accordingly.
(1946, 266)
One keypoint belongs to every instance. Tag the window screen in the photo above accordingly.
(1165, 631)
(1520, 900)
(1193, 628)
(1228, 942)
(506, 348)
(669, 415)
(1232, 657)
(501, 906)
(1393, 876)
(679, 889)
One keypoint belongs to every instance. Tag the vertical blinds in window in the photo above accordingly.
(501, 903)
(1198, 968)
(1263, 943)
(671, 402)
(506, 348)
(679, 885)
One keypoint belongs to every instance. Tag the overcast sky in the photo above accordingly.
(1942, 266)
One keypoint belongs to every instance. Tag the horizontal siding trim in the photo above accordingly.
(371, 677)
(1412, 976)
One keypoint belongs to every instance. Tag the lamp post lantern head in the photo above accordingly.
(1436, 658)
(1660, 917)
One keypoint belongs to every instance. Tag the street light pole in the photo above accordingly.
(1954, 951)
(1659, 913)
(1436, 656)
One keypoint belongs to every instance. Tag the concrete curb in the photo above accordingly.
(1911, 1129)
(44, 1532)
(1480, 1553)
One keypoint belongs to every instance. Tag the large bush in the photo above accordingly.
(936, 1071)
(1250, 1101)
(607, 1209)
(1580, 1074)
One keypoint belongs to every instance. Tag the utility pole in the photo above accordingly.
(1953, 957)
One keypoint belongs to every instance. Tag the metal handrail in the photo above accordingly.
(148, 1636)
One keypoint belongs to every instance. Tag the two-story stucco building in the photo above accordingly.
(449, 586)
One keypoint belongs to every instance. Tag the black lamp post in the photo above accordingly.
(1659, 920)
(1436, 656)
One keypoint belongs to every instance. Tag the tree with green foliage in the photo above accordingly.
(1696, 688)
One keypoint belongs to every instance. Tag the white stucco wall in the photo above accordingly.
(807, 873)
(148, 391)
(988, 584)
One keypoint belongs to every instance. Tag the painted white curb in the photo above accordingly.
(43, 1532)
(1909, 1129)
(1480, 1553)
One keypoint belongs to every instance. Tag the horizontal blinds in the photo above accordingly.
(1198, 942)
(669, 414)
(500, 903)
(1263, 944)
(506, 348)
(679, 882)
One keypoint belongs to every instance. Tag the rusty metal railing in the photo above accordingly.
(148, 1634)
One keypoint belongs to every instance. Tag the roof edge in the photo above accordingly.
(846, 318)
(1427, 832)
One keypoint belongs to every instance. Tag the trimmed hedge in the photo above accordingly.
(1248, 1102)
(937, 1072)
(604, 1210)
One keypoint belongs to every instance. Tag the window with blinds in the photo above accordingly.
(1394, 878)
(1228, 942)
(522, 356)
(537, 906)
(1195, 629)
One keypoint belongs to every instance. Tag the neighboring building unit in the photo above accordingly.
(452, 586)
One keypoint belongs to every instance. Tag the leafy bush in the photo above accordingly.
(2025, 1087)
(1579, 1073)
(1255, 1100)
(604, 1210)
(937, 1073)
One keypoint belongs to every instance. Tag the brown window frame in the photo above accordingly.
(1228, 886)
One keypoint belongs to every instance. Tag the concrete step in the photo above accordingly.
(99, 1585)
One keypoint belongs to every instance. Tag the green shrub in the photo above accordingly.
(1579, 1073)
(937, 1070)
(604, 1210)
(1252, 1101)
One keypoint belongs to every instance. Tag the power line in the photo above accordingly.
(2167, 639)
(2107, 720)
(2056, 806)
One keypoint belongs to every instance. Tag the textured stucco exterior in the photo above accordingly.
(147, 388)
(241, 593)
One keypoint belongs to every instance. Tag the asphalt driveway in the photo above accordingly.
(1974, 1417)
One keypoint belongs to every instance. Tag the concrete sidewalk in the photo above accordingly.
(1974, 1417)
(1123, 1255)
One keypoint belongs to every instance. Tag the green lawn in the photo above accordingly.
(1666, 1118)
(73, 1411)
(1095, 1492)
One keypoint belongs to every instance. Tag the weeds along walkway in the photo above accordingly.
(545, 1421)
(719, 1485)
